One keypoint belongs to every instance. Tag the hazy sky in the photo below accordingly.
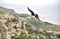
(31, 2)
(48, 10)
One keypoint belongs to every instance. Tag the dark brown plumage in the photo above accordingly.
(36, 15)
(33, 14)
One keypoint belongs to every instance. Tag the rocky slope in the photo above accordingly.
(24, 26)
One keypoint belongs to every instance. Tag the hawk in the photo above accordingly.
(33, 14)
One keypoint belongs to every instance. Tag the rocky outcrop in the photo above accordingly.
(3, 31)
(23, 26)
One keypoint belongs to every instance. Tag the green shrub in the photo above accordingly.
(58, 35)
(14, 20)
(15, 27)
(13, 37)
(1, 12)
(7, 23)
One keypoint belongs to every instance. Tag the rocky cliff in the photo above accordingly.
(24, 26)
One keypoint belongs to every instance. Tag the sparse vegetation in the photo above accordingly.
(14, 20)
(11, 21)
(7, 23)
(27, 25)
(22, 26)
(2, 12)
(15, 27)
(58, 35)
(27, 29)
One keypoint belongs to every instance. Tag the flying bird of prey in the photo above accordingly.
(33, 14)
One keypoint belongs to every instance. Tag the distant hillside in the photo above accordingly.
(24, 26)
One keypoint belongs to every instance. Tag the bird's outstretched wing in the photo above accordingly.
(32, 13)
